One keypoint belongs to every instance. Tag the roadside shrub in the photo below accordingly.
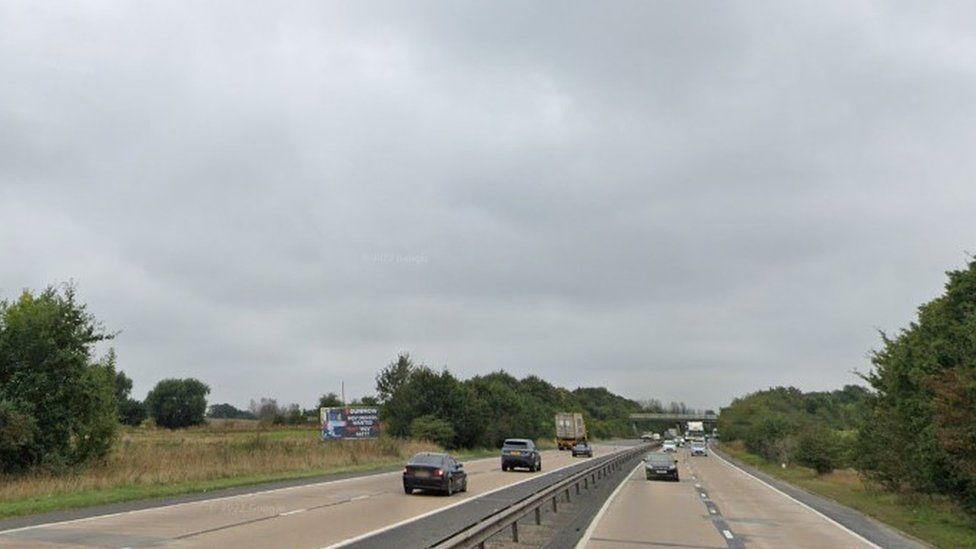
(175, 403)
(17, 438)
(433, 429)
(819, 448)
(59, 404)
(132, 412)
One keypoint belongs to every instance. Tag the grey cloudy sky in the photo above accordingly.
(680, 200)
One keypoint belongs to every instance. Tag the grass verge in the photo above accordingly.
(932, 519)
(158, 463)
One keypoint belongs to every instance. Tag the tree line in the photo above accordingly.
(913, 429)
(61, 405)
(419, 401)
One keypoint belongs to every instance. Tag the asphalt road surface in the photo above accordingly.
(315, 515)
(715, 505)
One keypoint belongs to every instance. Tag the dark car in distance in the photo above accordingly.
(660, 465)
(520, 452)
(432, 471)
(583, 449)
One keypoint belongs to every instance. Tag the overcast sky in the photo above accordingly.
(680, 200)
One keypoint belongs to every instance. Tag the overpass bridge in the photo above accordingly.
(706, 417)
(709, 418)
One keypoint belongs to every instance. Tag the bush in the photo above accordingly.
(820, 449)
(433, 429)
(132, 412)
(176, 403)
(59, 405)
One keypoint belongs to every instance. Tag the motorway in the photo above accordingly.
(317, 515)
(715, 505)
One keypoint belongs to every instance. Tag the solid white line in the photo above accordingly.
(727, 534)
(349, 541)
(202, 501)
(295, 512)
(798, 502)
(606, 505)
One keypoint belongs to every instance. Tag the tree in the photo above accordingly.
(920, 429)
(176, 403)
(392, 378)
(267, 410)
(330, 400)
(228, 411)
(57, 405)
(131, 411)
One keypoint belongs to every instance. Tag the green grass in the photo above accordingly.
(935, 520)
(88, 498)
(149, 463)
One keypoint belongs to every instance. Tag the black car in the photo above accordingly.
(660, 465)
(583, 449)
(430, 471)
(520, 452)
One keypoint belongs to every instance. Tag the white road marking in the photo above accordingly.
(712, 510)
(606, 505)
(698, 486)
(727, 534)
(350, 541)
(295, 512)
(357, 498)
(211, 500)
(704, 495)
(798, 502)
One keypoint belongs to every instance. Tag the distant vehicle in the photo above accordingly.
(648, 436)
(570, 430)
(698, 448)
(582, 449)
(715, 434)
(520, 452)
(671, 433)
(660, 465)
(680, 441)
(669, 446)
(430, 471)
(655, 436)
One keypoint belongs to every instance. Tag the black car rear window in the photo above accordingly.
(517, 443)
(659, 459)
(427, 459)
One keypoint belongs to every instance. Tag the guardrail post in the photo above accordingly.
(515, 531)
(577, 489)
(555, 507)
(586, 482)
(567, 493)
(538, 515)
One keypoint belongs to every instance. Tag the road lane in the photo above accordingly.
(715, 505)
(656, 513)
(302, 516)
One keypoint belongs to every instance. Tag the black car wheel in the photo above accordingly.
(408, 490)
(464, 487)
(450, 487)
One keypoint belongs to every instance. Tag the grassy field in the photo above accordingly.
(935, 520)
(147, 463)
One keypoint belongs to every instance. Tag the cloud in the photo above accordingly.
(673, 201)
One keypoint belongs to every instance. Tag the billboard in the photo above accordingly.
(349, 423)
